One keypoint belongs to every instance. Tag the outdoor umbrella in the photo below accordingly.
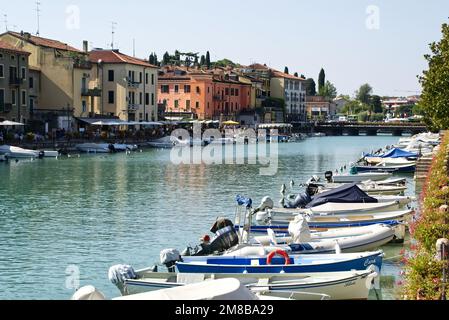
(231, 123)
(10, 123)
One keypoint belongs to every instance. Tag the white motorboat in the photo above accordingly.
(347, 285)
(104, 147)
(371, 188)
(229, 289)
(18, 153)
(348, 178)
(168, 142)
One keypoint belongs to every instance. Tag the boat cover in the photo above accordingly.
(396, 153)
(348, 193)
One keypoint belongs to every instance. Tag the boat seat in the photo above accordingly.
(187, 278)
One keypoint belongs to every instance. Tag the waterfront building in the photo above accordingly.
(59, 70)
(127, 85)
(340, 103)
(292, 89)
(320, 108)
(204, 95)
(14, 84)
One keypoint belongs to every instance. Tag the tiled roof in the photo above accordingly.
(114, 56)
(7, 47)
(279, 74)
(44, 42)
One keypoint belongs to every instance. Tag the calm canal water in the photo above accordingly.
(96, 211)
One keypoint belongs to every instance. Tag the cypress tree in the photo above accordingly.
(203, 60)
(166, 58)
(286, 70)
(296, 74)
(208, 64)
(321, 81)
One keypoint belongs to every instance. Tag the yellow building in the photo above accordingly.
(128, 86)
(62, 73)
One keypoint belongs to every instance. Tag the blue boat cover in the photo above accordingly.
(242, 201)
(396, 153)
(348, 193)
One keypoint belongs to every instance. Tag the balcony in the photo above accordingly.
(133, 84)
(15, 81)
(133, 107)
(95, 92)
(5, 107)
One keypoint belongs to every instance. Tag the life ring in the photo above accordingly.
(280, 253)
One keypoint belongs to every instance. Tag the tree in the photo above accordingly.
(353, 107)
(203, 60)
(329, 91)
(296, 75)
(166, 58)
(364, 93)
(208, 64)
(435, 83)
(321, 80)
(310, 87)
(286, 70)
(196, 61)
(156, 62)
(151, 59)
(376, 103)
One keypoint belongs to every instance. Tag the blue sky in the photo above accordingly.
(303, 35)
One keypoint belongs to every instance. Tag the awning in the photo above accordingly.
(274, 125)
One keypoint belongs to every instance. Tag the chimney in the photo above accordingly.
(85, 46)
(27, 36)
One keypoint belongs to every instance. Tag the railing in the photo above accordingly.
(5, 107)
(95, 92)
(15, 81)
(132, 107)
(134, 84)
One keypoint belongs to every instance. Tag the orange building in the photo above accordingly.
(206, 95)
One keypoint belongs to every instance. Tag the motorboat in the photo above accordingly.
(284, 264)
(346, 285)
(18, 153)
(383, 167)
(168, 142)
(357, 178)
(266, 221)
(229, 289)
(104, 147)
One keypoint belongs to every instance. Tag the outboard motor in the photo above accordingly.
(111, 148)
(169, 257)
(41, 155)
(118, 274)
(266, 203)
(329, 176)
(302, 200)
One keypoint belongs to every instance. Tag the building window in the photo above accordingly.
(152, 99)
(176, 89)
(176, 104)
(13, 58)
(31, 82)
(111, 97)
(188, 104)
(2, 99)
(24, 98)
(208, 105)
(146, 78)
(197, 105)
(227, 91)
(147, 98)
(208, 89)
(165, 89)
(237, 92)
(2, 71)
(140, 115)
(140, 77)
(31, 104)
(140, 98)
(187, 89)
(111, 75)
(198, 90)
(1, 56)
(84, 105)
(13, 97)
(232, 91)
(152, 79)
(24, 73)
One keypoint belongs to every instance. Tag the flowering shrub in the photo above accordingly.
(423, 273)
